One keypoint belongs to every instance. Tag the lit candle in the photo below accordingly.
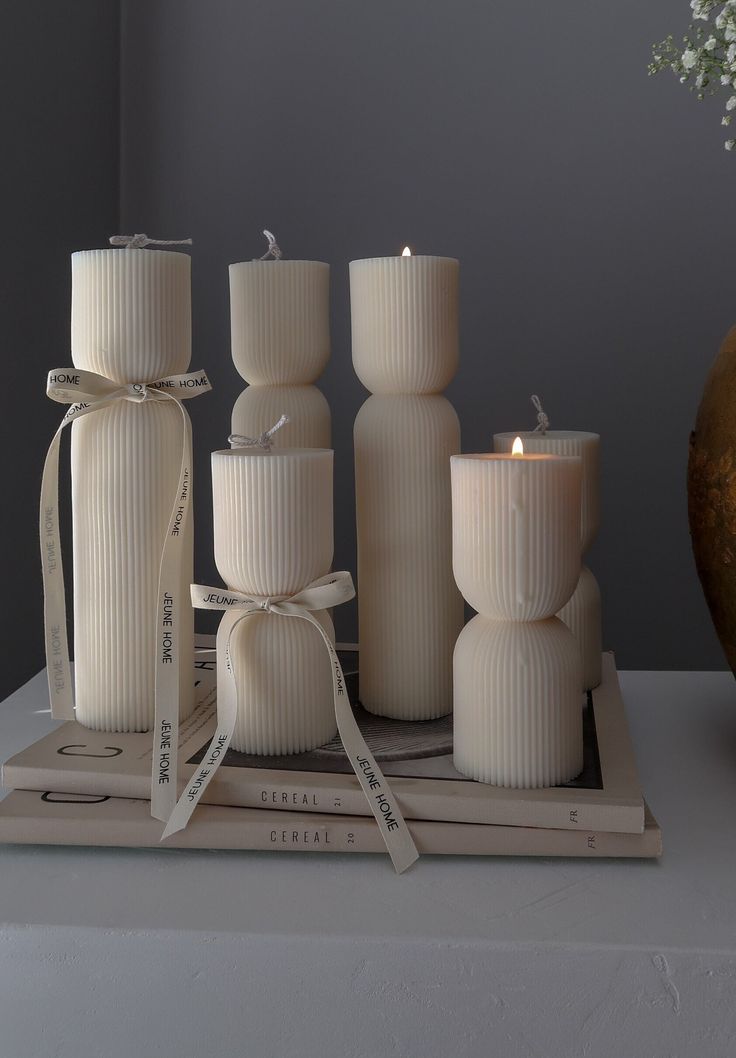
(405, 350)
(280, 332)
(517, 668)
(582, 613)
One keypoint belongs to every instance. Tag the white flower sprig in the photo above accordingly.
(706, 59)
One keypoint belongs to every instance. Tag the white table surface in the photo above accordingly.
(168, 952)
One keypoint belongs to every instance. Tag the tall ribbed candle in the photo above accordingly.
(131, 321)
(582, 614)
(405, 349)
(280, 331)
(517, 668)
(273, 529)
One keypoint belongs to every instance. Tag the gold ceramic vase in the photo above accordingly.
(712, 494)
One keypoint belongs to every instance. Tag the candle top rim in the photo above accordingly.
(508, 457)
(398, 257)
(253, 451)
(160, 251)
(554, 435)
(277, 261)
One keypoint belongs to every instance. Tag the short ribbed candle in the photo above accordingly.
(405, 350)
(259, 407)
(583, 613)
(273, 529)
(279, 319)
(516, 524)
(131, 321)
(517, 703)
(517, 669)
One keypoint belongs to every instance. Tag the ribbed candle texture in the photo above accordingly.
(515, 542)
(273, 529)
(517, 669)
(259, 407)
(280, 334)
(130, 321)
(518, 709)
(405, 349)
(582, 615)
(583, 612)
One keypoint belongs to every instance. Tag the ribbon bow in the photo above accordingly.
(87, 393)
(331, 590)
(237, 440)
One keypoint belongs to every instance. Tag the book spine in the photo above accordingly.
(27, 818)
(321, 797)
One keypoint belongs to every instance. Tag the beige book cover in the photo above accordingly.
(415, 757)
(32, 818)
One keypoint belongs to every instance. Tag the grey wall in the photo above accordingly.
(589, 205)
(59, 185)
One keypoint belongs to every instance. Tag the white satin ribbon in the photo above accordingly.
(331, 590)
(88, 392)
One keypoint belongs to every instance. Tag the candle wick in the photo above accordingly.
(263, 441)
(140, 241)
(542, 418)
(273, 247)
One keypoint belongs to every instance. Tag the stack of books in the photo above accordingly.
(82, 787)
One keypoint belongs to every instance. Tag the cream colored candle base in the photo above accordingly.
(518, 705)
(259, 407)
(582, 615)
(122, 461)
(284, 685)
(410, 611)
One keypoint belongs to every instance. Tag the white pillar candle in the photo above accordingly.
(583, 613)
(280, 331)
(273, 531)
(405, 349)
(516, 558)
(131, 321)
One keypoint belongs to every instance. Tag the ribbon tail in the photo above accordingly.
(58, 667)
(170, 602)
(380, 797)
(227, 709)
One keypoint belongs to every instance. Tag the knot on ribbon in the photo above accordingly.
(137, 391)
(263, 440)
(273, 247)
(140, 241)
(542, 418)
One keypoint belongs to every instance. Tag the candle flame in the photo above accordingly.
(517, 449)
(406, 252)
